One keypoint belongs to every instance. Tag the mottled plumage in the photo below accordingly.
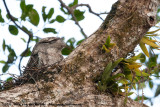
(46, 52)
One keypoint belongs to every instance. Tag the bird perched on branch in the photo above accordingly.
(46, 52)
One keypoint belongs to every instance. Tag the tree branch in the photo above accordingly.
(22, 56)
(11, 17)
(90, 10)
(28, 33)
(71, 11)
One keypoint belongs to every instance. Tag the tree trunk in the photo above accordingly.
(126, 24)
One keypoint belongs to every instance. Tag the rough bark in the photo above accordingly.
(126, 24)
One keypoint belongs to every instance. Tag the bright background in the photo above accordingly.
(67, 29)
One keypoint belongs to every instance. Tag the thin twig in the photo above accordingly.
(12, 19)
(90, 10)
(71, 11)
(19, 65)
(28, 33)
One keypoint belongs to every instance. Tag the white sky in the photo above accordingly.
(67, 29)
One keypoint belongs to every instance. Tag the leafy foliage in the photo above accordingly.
(49, 30)
(131, 75)
(79, 14)
(60, 19)
(13, 30)
(1, 18)
(108, 46)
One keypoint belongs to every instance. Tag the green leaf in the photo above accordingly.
(149, 42)
(74, 3)
(123, 81)
(24, 10)
(9, 79)
(26, 53)
(106, 73)
(151, 84)
(5, 68)
(44, 15)
(26, 30)
(71, 43)
(52, 21)
(142, 58)
(79, 15)
(142, 85)
(80, 41)
(14, 18)
(140, 98)
(60, 19)
(4, 45)
(49, 30)
(152, 32)
(134, 58)
(117, 76)
(23, 40)
(152, 64)
(1, 18)
(108, 42)
(29, 8)
(2, 61)
(101, 87)
(12, 55)
(130, 93)
(36, 39)
(50, 13)
(116, 62)
(23, 5)
(34, 17)
(64, 11)
(66, 51)
(140, 73)
(70, 46)
(157, 91)
(13, 30)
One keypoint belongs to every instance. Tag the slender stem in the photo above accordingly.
(71, 11)
(12, 19)
(28, 33)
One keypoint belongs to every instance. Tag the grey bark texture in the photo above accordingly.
(126, 24)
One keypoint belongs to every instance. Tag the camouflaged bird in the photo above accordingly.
(46, 52)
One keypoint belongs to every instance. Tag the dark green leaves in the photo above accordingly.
(157, 91)
(50, 13)
(13, 30)
(49, 30)
(44, 13)
(5, 68)
(4, 45)
(26, 30)
(2, 62)
(70, 46)
(75, 2)
(23, 5)
(47, 16)
(26, 52)
(142, 58)
(11, 58)
(1, 18)
(79, 15)
(34, 17)
(28, 11)
(52, 21)
(60, 19)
